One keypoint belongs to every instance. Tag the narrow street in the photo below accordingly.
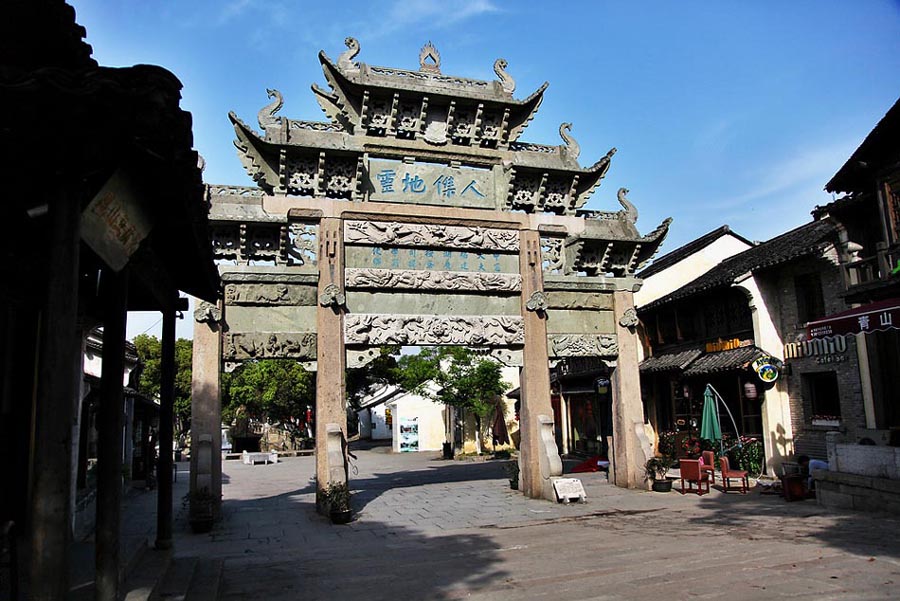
(432, 529)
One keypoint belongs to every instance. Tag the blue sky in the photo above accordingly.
(723, 112)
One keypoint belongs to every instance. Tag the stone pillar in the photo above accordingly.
(331, 413)
(627, 411)
(110, 422)
(206, 407)
(166, 428)
(57, 389)
(538, 460)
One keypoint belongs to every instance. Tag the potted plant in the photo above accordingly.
(337, 499)
(655, 471)
(200, 510)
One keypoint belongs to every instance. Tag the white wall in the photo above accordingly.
(776, 407)
(688, 269)
(380, 429)
(431, 420)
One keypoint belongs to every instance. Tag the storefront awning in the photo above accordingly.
(738, 358)
(874, 317)
(669, 361)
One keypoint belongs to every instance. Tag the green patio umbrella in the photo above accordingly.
(709, 423)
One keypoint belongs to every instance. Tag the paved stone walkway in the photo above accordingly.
(432, 529)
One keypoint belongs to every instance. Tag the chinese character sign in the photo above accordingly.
(433, 184)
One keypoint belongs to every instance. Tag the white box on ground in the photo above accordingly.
(568, 489)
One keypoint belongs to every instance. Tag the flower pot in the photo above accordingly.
(340, 516)
(662, 485)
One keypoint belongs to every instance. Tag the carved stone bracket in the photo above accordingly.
(361, 358)
(379, 233)
(431, 280)
(269, 345)
(583, 345)
(629, 318)
(372, 329)
(207, 313)
(537, 302)
(332, 296)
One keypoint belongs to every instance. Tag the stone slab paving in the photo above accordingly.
(426, 528)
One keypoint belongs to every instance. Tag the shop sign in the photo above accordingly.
(828, 349)
(766, 368)
(113, 224)
(726, 345)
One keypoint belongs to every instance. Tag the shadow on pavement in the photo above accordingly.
(855, 532)
(278, 547)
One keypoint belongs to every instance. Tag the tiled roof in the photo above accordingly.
(688, 249)
(807, 239)
(879, 148)
(669, 361)
(737, 358)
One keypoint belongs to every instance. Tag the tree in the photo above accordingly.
(277, 391)
(460, 378)
(149, 350)
(381, 371)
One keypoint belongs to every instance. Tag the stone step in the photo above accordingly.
(143, 580)
(206, 582)
(174, 584)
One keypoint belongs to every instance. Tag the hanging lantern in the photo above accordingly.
(750, 391)
(687, 391)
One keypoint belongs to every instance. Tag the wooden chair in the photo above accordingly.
(709, 465)
(690, 471)
(730, 474)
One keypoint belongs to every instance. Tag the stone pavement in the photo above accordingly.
(426, 528)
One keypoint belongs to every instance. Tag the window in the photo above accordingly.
(810, 303)
(821, 389)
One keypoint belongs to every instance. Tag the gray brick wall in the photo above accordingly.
(809, 439)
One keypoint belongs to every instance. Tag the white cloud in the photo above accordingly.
(436, 13)
(806, 170)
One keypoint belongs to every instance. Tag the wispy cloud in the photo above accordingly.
(806, 170)
(439, 14)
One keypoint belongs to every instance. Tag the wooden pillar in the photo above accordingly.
(57, 390)
(627, 410)
(206, 408)
(331, 413)
(110, 422)
(166, 427)
(538, 462)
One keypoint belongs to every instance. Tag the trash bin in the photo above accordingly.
(448, 450)
(794, 487)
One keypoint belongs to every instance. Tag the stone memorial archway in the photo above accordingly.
(414, 216)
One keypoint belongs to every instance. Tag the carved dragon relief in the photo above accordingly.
(369, 329)
(266, 115)
(629, 212)
(582, 345)
(506, 82)
(345, 60)
(570, 150)
(270, 294)
(269, 345)
(416, 234)
(404, 279)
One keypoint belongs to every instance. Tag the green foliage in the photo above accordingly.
(666, 445)
(149, 350)
(382, 371)
(462, 378)
(656, 468)
(748, 456)
(337, 497)
(276, 391)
